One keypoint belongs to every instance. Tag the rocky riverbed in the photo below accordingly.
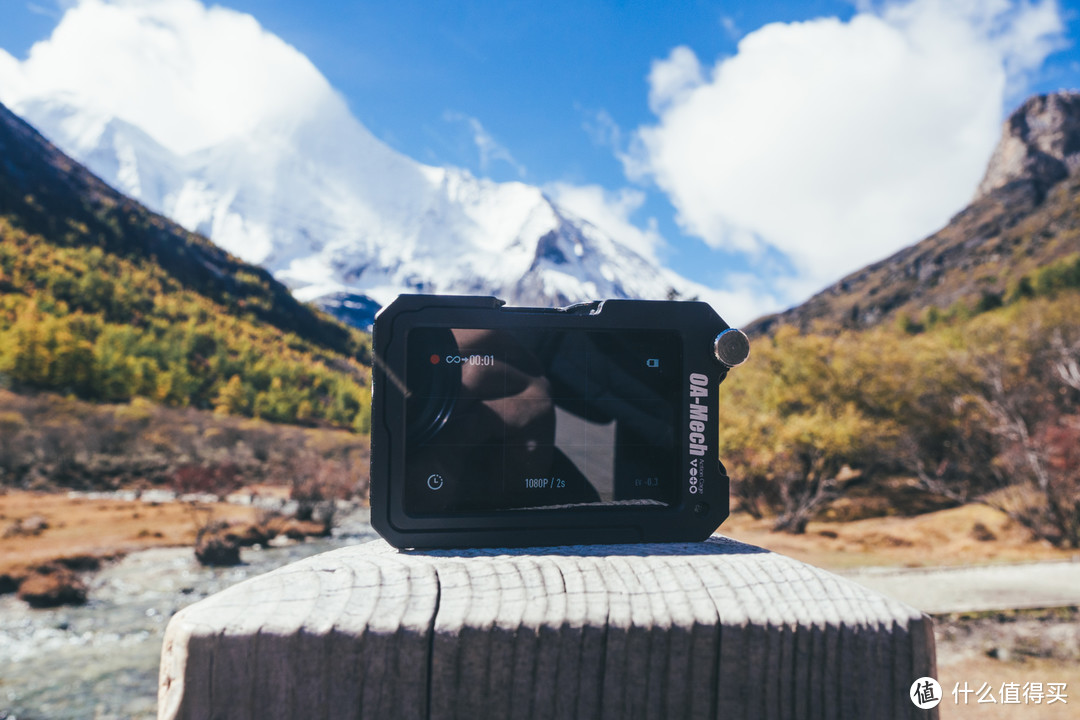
(100, 660)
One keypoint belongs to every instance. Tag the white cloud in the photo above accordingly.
(49, 12)
(188, 75)
(490, 149)
(730, 27)
(610, 212)
(602, 129)
(836, 143)
(671, 82)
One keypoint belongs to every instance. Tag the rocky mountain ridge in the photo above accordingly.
(1025, 215)
(1040, 144)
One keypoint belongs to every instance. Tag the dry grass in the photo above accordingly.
(972, 534)
(53, 443)
(976, 670)
(83, 528)
(1023, 646)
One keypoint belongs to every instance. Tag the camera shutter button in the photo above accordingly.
(732, 347)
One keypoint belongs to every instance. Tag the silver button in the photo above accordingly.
(732, 347)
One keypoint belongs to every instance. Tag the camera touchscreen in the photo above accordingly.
(540, 418)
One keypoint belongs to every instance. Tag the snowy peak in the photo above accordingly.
(211, 120)
(122, 154)
(340, 217)
(46, 194)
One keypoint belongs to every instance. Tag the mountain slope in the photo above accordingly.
(46, 192)
(1025, 216)
(339, 216)
(100, 297)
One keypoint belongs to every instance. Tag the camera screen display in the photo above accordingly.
(533, 418)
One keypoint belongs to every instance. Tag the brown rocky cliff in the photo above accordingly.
(1040, 143)
(1025, 214)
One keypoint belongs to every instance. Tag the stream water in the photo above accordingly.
(100, 661)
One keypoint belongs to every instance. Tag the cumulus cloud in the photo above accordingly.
(188, 75)
(836, 143)
(673, 81)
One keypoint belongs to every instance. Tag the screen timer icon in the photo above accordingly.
(435, 481)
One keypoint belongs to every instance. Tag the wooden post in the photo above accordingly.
(718, 629)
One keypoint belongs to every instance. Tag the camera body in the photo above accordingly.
(497, 426)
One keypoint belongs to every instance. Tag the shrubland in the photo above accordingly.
(56, 443)
(980, 405)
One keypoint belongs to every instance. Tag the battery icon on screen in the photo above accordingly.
(652, 362)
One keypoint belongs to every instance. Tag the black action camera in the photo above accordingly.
(513, 427)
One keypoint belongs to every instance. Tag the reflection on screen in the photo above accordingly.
(539, 418)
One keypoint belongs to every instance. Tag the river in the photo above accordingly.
(100, 661)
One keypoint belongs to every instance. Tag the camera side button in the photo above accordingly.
(731, 347)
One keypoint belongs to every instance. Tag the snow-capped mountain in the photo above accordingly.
(343, 219)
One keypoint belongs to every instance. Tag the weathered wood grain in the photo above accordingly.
(717, 629)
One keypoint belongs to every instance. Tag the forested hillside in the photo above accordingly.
(975, 407)
(105, 300)
(947, 373)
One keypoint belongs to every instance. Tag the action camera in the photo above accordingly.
(497, 426)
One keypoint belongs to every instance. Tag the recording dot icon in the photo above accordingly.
(434, 359)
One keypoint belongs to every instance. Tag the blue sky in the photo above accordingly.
(686, 119)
